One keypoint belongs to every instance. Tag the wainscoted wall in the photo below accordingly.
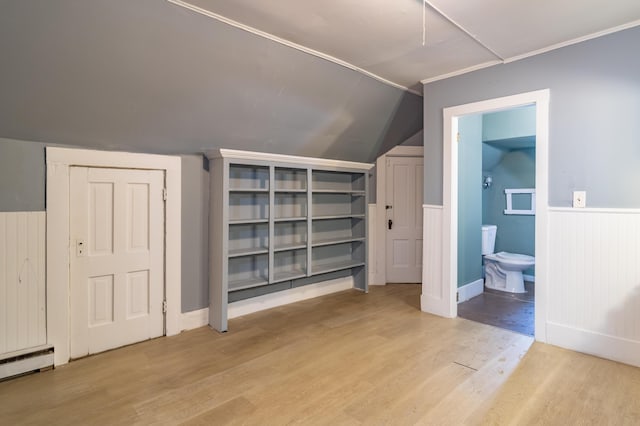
(372, 244)
(594, 282)
(592, 295)
(22, 281)
(434, 297)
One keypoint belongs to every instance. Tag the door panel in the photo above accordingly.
(117, 257)
(404, 211)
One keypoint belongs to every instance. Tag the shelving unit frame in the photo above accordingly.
(295, 187)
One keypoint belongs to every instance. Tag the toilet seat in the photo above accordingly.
(515, 257)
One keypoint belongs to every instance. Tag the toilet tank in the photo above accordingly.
(488, 238)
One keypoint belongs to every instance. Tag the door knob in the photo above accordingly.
(390, 223)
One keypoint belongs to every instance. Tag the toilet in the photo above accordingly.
(503, 270)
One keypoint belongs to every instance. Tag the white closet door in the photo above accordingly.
(117, 257)
(404, 219)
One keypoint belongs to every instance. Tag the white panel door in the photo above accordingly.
(117, 257)
(404, 219)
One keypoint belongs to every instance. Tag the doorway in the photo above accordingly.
(397, 217)
(116, 271)
(496, 218)
(440, 278)
(59, 249)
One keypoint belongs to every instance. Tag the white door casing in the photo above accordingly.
(404, 219)
(445, 304)
(59, 161)
(117, 257)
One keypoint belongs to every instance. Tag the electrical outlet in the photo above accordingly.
(579, 199)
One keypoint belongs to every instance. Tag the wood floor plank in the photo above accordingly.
(342, 359)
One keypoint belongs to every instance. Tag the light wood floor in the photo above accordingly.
(347, 358)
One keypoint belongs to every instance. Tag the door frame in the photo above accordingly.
(540, 99)
(58, 162)
(378, 270)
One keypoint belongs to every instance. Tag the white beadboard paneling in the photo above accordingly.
(372, 242)
(22, 283)
(594, 281)
(433, 299)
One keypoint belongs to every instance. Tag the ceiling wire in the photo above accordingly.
(460, 27)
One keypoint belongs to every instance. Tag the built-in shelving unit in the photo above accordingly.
(279, 222)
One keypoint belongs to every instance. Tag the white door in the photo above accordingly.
(404, 219)
(117, 257)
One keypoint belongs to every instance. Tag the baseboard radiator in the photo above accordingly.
(26, 361)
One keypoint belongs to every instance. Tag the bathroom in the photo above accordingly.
(496, 186)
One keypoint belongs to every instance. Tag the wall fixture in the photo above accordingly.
(486, 183)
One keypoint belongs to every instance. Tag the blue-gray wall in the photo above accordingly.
(21, 176)
(149, 76)
(594, 142)
(469, 199)
(516, 233)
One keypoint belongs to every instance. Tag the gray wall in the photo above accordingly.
(516, 233)
(470, 199)
(594, 140)
(22, 188)
(150, 76)
(21, 176)
(195, 232)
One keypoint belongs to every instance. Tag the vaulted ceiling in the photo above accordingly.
(322, 78)
(385, 37)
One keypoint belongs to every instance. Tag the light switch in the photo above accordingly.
(579, 199)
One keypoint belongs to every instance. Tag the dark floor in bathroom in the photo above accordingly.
(510, 311)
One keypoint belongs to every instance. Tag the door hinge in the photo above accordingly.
(458, 137)
(164, 306)
(164, 194)
(457, 296)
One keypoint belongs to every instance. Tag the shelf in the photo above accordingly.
(248, 177)
(289, 275)
(248, 251)
(336, 266)
(326, 180)
(338, 191)
(332, 241)
(280, 222)
(286, 247)
(292, 191)
(340, 216)
(247, 283)
(290, 219)
(247, 221)
(289, 179)
(248, 190)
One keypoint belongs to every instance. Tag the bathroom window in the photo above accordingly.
(521, 201)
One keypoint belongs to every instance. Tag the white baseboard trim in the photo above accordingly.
(435, 306)
(200, 317)
(376, 279)
(529, 278)
(268, 301)
(592, 343)
(470, 290)
(194, 319)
